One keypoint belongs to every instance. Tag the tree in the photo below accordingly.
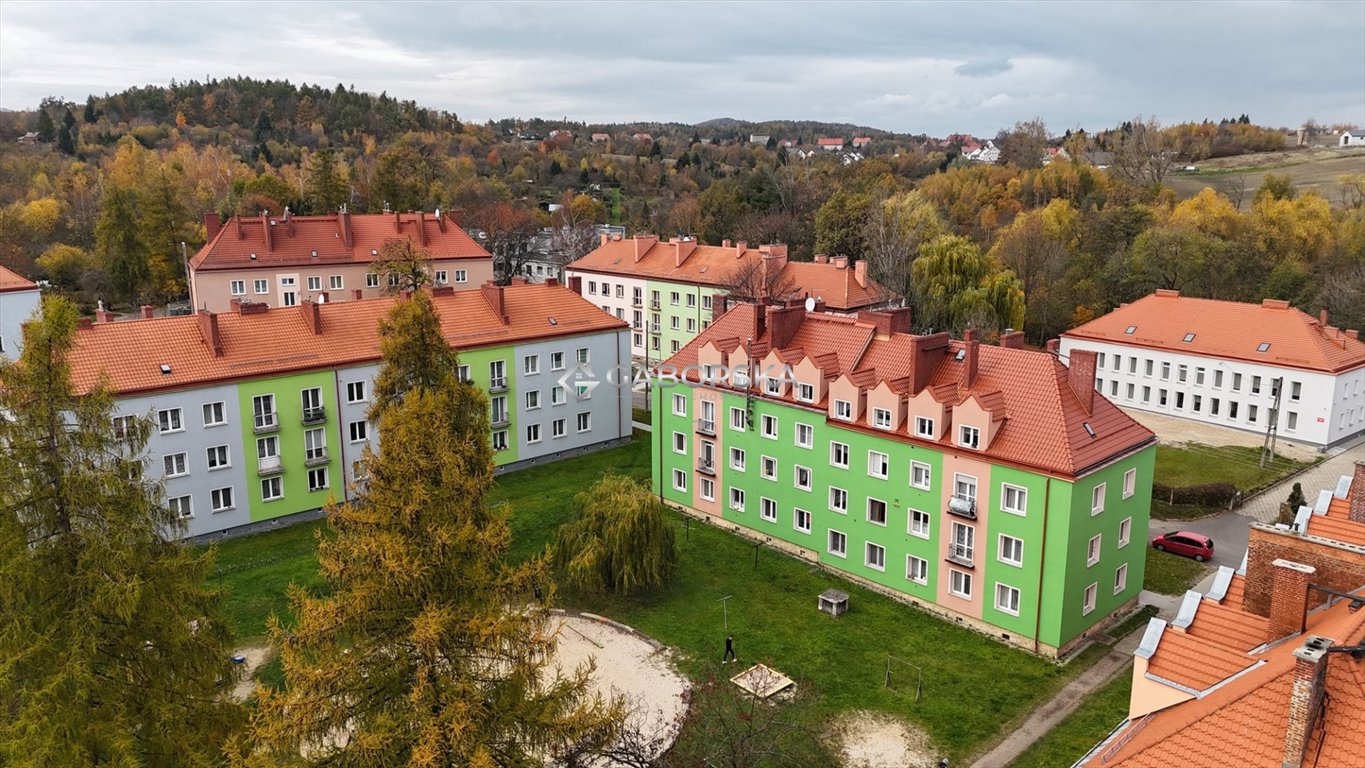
(1142, 153)
(1024, 146)
(326, 189)
(896, 229)
(47, 130)
(67, 134)
(67, 266)
(839, 224)
(1275, 186)
(90, 116)
(113, 652)
(619, 540)
(957, 287)
(415, 352)
(403, 176)
(428, 650)
(120, 245)
(722, 208)
(402, 266)
(510, 230)
(574, 227)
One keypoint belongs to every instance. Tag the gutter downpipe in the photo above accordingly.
(1042, 564)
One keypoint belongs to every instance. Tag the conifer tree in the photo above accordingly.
(428, 651)
(112, 652)
(619, 539)
(326, 189)
(120, 244)
(47, 130)
(67, 134)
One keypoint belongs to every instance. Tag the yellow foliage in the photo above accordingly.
(1209, 213)
(40, 216)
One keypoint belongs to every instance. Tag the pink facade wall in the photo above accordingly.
(953, 465)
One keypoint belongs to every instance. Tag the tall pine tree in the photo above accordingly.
(47, 130)
(429, 650)
(326, 190)
(67, 134)
(112, 652)
(120, 244)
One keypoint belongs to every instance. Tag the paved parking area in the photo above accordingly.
(1175, 430)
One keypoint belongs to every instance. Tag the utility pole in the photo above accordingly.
(1272, 430)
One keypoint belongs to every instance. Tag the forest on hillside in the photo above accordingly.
(100, 204)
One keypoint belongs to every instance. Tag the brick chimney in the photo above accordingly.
(357, 294)
(212, 225)
(740, 247)
(455, 214)
(1012, 339)
(1322, 317)
(252, 308)
(344, 219)
(772, 260)
(1081, 375)
(146, 310)
(860, 272)
(682, 248)
(421, 229)
(821, 258)
(888, 321)
(492, 294)
(208, 332)
(1356, 510)
(642, 245)
(720, 304)
(576, 284)
(927, 353)
(1305, 697)
(1053, 346)
(551, 282)
(971, 360)
(602, 239)
(840, 262)
(312, 316)
(783, 323)
(324, 297)
(266, 231)
(1288, 598)
(443, 290)
(103, 315)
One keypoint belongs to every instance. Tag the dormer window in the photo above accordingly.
(741, 376)
(843, 409)
(712, 372)
(805, 393)
(774, 386)
(969, 437)
(881, 418)
(924, 427)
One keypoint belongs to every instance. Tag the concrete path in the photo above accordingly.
(1266, 507)
(649, 428)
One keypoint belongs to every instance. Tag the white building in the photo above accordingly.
(19, 299)
(1224, 362)
(1353, 139)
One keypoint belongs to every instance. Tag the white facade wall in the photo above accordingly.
(624, 298)
(1319, 409)
(16, 308)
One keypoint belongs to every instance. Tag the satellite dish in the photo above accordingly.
(810, 304)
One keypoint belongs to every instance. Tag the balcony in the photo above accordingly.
(653, 327)
(637, 302)
(706, 426)
(499, 420)
(314, 415)
(316, 457)
(706, 467)
(498, 384)
(961, 555)
(266, 422)
(269, 465)
(962, 506)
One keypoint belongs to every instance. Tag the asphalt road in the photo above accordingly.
(1228, 530)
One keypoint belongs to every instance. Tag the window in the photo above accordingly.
(1146, 394)
(268, 448)
(881, 418)
(878, 464)
(218, 457)
(532, 433)
(805, 435)
(838, 500)
(1165, 371)
(876, 511)
(1129, 483)
(843, 409)
(1232, 409)
(462, 373)
(558, 395)
(773, 385)
(1089, 601)
(531, 364)
(769, 469)
(737, 499)
(169, 420)
(1007, 599)
(679, 405)
(1011, 550)
(498, 405)
(673, 322)
(969, 437)
(1251, 414)
(584, 422)
(500, 441)
(737, 459)
(737, 419)
(1199, 376)
(801, 475)
(355, 391)
(768, 510)
(557, 428)
(220, 499)
(838, 543)
(1147, 368)
(1120, 578)
(174, 465)
(691, 324)
(1218, 378)
(1236, 382)
(924, 427)
(497, 374)
(334, 282)
(770, 426)
(964, 487)
(314, 283)
(1130, 391)
(371, 280)
(1125, 531)
(875, 556)
(838, 455)
(1198, 400)
(673, 345)
(260, 286)
(692, 300)
(1113, 389)
(272, 488)
(963, 547)
(916, 569)
(214, 415)
(359, 431)
(311, 399)
(533, 400)
(620, 290)
(679, 443)
(1292, 422)
(919, 523)
(1255, 385)
(679, 480)
(1097, 499)
(707, 489)
(805, 393)
(706, 302)
(960, 583)
(1182, 373)
(919, 475)
(1118, 362)
(1162, 398)
(237, 287)
(1013, 499)
(1092, 550)
(673, 298)
(317, 479)
(263, 411)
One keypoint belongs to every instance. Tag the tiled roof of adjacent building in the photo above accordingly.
(836, 282)
(1046, 426)
(11, 281)
(266, 341)
(266, 241)
(1271, 332)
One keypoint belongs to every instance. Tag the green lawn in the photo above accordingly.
(1082, 729)
(1172, 574)
(1196, 464)
(973, 687)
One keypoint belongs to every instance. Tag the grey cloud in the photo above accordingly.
(983, 67)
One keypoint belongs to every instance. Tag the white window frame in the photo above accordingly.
(175, 464)
(841, 495)
(843, 410)
(219, 453)
(808, 432)
(886, 512)
(1097, 499)
(1094, 549)
(738, 459)
(356, 391)
(679, 405)
(767, 509)
(260, 286)
(237, 287)
(679, 480)
(217, 497)
(919, 523)
(1120, 578)
(842, 550)
(530, 365)
(771, 429)
(1006, 547)
(533, 435)
(314, 472)
(680, 443)
(461, 275)
(737, 499)
(1089, 598)
(216, 409)
(924, 427)
(835, 448)
(532, 399)
(335, 282)
(957, 580)
(798, 515)
(1125, 532)
(315, 282)
(805, 392)
(881, 418)
(884, 470)
(917, 466)
(170, 421)
(969, 437)
(706, 488)
(362, 427)
(869, 548)
(1003, 590)
(583, 422)
(1020, 501)
(275, 485)
(797, 472)
(1130, 483)
(738, 419)
(559, 428)
(916, 564)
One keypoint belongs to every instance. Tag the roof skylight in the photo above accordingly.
(961, 353)
(1189, 337)
(1089, 430)
(1130, 330)
(1263, 346)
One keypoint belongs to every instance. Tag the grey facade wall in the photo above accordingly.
(16, 308)
(348, 412)
(607, 406)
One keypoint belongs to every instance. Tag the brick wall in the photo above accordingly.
(1339, 566)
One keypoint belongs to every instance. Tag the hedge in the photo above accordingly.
(1206, 495)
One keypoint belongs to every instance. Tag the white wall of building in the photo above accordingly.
(625, 298)
(16, 308)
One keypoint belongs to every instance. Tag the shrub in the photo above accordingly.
(619, 539)
(1206, 495)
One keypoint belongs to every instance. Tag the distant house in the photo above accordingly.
(1348, 139)
(788, 143)
(861, 141)
(830, 144)
(32, 138)
(558, 132)
(601, 137)
(758, 138)
(981, 153)
(1098, 158)
(643, 138)
(1055, 153)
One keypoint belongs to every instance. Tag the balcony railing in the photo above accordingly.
(266, 422)
(499, 420)
(315, 457)
(654, 305)
(269, 465)
(962, 506)
(706, 426)
(637, 302)
(314, 415)
(706, 466)
(498, 384)
(961, 554)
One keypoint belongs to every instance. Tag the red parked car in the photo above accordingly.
(1187, 543)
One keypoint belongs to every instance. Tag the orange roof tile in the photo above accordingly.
(1193, 663)
(11, 281)
(294, 240)
(279, 340)
(1045, 427)
(1236, 591)
(1227, 329)
(1228, 626)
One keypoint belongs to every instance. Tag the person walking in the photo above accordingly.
(729, 650)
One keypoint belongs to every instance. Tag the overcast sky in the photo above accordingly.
(936, 68)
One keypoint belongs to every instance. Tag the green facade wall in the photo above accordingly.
(478, 361)
(666, 312)
(289, 414)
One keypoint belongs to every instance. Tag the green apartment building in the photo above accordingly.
(989, 484)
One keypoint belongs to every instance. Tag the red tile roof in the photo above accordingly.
(829, 142)
(1045, 423)
(293, 240)
(11, 281)
(1228, 329)
(280, 340)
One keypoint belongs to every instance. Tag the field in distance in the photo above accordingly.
(1315, 168)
